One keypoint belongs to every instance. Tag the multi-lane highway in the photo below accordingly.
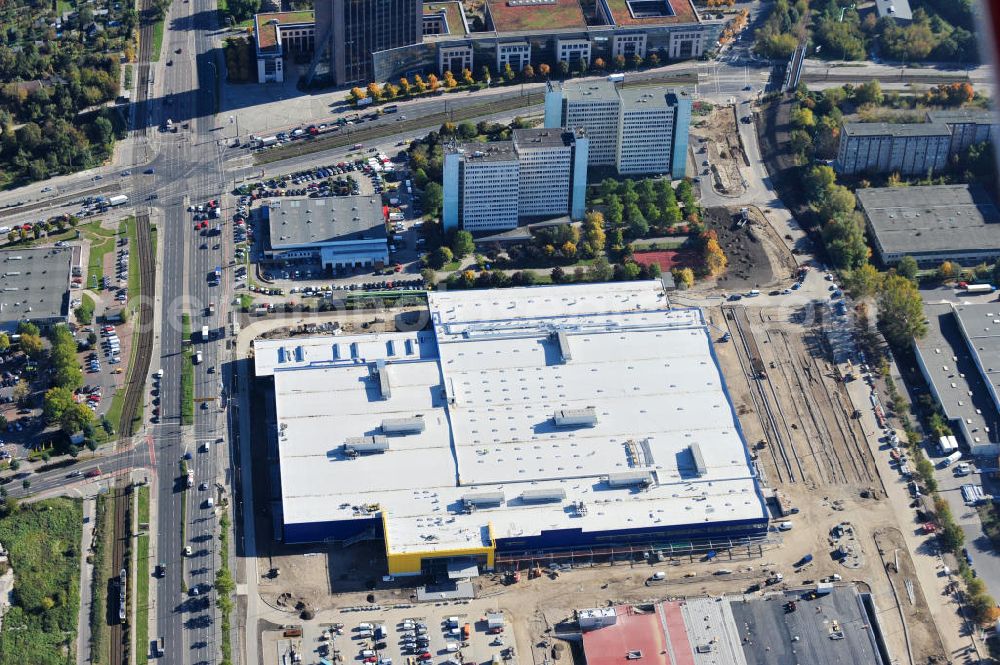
(187, 169)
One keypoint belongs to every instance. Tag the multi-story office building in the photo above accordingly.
(361, 41)
(350, 31)
(636, 130)
(882, 147)
(280, 34)
(913, 148)
(966, 126)
(539, 174)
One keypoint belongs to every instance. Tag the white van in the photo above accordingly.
(752, 293)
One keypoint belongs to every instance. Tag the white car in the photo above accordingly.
(784, 526)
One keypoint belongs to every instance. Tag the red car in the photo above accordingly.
(371, 659)
(425, 656)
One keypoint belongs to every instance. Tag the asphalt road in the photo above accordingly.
(187, 170)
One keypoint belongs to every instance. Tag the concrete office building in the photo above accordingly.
(348, 32)
(539, 174)
(932, 223)
(360, 41)
(332, 234)
(911, 148)
(883, 147)
(280, 34)
(35, 286)
(559, 419)
(636, 130)
(966, 126)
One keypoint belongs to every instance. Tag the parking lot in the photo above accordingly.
(450, 635)
(373, 173)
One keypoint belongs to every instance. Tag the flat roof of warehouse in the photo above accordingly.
(35, 284)
(951, 367)
(486, 383)
(295, 221)
(930, 218)
(751, 629)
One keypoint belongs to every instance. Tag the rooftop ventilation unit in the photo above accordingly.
(640, 478)
(699, 460)
(383, 379)
(413, 425)
(543, 496)
(562, 340)
(365, 445)
(586, 417)
(482, 499)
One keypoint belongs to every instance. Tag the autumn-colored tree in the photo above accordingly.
(947, 270)
(433, 82)
(598, 64)
(357, 93)
(467, 77)
(508, 72)
(418, 83)
(619, 62)
(374, 91)
(683, 277)
(390, 91)
(404, 85)
(653, 60)
(543, 70)
(712, 254)
(568, 249)
(528, 72)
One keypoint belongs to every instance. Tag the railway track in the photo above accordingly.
(120, 638)
(788, 467)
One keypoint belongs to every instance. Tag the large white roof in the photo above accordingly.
(487, 391)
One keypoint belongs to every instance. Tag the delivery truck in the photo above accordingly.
(117, 200)
(951, 459)
(976, 288)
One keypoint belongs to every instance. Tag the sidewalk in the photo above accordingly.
(926, 560)
(86, 582)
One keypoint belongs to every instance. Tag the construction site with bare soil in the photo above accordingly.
(833, 531)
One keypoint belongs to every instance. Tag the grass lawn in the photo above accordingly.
(154, 54)
(187, 373)
(128, 227)
(990, 518)
(128, 77)
(142, 582)
(44, 543)
(102, 241)
(660, 243)
(85, 312)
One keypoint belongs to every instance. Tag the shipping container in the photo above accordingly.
(117, 200)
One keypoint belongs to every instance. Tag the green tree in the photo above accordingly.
(869, 92)
(863, 282)
(615, 211)
(907, 267)
(462, 244)
(432, 198)
(57, 401)
(440, 257)
(803, 118)
(4, 342)
(600, 270)
(76, 418)
(31, 344)
(836, 201)
(901, 311)
(845, 241)
(817, 180)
